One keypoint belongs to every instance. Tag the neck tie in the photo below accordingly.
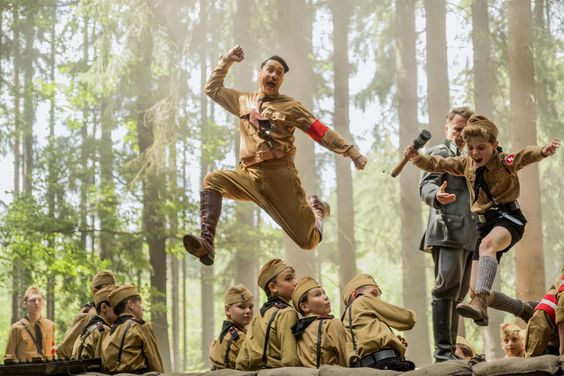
(39, 337)
(479, 182)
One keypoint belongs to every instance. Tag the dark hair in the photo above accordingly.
(463, 111)
(99, 306)
(302, 299)
(278, 59)
(118, 309)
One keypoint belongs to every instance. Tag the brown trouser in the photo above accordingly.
(273, 185)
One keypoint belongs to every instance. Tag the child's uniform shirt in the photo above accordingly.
(371, 320)
(224, 350)
(500, 175)
(89, 343)
(542, 328)
(275, 321)
(321, 340)
(131, 346)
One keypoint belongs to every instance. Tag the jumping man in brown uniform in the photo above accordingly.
(493, 183)
(369, 321)
(88, 345)
(321, 337)
(266, 172)
(239, 312)
(86, 314)
(269, 342)
(32, 336)
(131, 345)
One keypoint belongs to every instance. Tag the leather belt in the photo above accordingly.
(376, 357)
(265, 156)
(509, 207)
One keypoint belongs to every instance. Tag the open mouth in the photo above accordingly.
(271, 84)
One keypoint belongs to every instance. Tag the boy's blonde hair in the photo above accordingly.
(480, 126)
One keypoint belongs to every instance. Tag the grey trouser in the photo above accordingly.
(452, 273)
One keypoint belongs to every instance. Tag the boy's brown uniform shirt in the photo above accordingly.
(372, 320)
(500, 176)
(89, 344)
(139, 350)
(21, 345)
(281, 347)
(224, 350)
(333, 342)
(65, 348)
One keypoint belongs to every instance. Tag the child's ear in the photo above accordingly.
(304, 308)
(272, 287)
(228, 311)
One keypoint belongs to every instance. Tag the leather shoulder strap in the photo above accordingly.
(267, 338)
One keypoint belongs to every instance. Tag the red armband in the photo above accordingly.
(317, 130)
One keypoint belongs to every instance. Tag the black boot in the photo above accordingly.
(442, 331)
(210, 210)
(455, 318)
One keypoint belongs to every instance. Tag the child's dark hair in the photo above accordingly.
(99, 306)
(120, 308)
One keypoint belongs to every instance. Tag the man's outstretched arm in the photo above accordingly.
(327, 137)
(226, 98)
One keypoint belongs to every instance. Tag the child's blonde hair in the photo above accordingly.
(480, 126)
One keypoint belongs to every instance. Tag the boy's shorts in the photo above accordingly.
(492, 220)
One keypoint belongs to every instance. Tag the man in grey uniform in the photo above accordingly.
(450, 236)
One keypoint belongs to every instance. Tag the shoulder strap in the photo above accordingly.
(37, 346)
(120, 351)
(355, 349)
(226, 359)
(318, 349)
(267, 338)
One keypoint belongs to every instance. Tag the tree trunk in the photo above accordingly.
(107, 207)
(529, 256)
(413, 262)
(84, 152)
(152, 217)
(206, 272)
(483, 92)
(51, 166)
(483, 71)
(29, 105)
(438, 94)
(294, 23)
(246, 257)
(17, 135)
(174, 262)
(345, 202)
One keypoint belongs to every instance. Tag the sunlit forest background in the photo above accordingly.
(105, 136)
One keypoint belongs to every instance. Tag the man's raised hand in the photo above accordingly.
(443, 197)
(236, 54)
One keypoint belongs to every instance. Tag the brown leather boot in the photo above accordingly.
(321, 209)
(210, 210)
(477, 309)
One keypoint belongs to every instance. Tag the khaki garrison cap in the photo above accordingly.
(238, 294)
(122, 292)
(271, 270)
(304, 285)
(103, 278)
(102, 294)
(357, 282)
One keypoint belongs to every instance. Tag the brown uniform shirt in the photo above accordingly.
(372, 323)
(330, 333)
(281, 348)
(138, 345)
(286, 113)
(87, 313)
(224, 350)
(21, 344)
(89, 343)
(500, 176)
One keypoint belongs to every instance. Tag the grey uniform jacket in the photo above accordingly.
(451, 225)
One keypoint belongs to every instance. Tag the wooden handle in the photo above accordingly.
(399, 167)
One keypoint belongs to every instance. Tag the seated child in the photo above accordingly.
(269, 342)
(131, 346)
(369, 321)
(321, 337)
(511, 340)
(239, 312)
(89, 343)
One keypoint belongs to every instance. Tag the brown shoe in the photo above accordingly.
(320, 208)
(477, 309)
(210, 210)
